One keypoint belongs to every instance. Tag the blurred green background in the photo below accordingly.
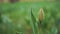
(22, 18)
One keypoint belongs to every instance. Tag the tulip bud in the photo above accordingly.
(41, 14)
(41, 18)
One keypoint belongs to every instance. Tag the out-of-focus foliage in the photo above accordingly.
(17, 18)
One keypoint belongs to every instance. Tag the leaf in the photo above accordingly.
(32, 17)
(33, 23)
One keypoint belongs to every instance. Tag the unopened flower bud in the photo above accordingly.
(41, 14)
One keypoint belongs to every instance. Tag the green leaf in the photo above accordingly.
(33, 23)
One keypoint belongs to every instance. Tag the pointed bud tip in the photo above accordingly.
(41, 14)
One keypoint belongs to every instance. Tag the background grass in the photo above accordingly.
(18, 17)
